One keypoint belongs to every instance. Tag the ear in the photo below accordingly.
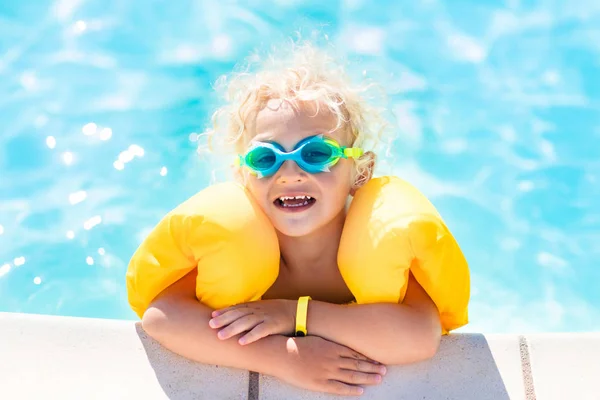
(366, 174)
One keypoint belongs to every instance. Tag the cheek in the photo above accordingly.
(343, 174)
(257, 187)
(337, 184)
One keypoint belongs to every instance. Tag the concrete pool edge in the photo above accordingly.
(69, 357)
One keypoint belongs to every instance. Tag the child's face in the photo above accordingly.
(328, 191)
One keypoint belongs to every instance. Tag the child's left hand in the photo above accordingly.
(260, 318)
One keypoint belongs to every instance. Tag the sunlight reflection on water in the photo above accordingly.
(497, 108)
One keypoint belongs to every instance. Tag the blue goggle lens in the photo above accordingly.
(262, 158)
(316, 153)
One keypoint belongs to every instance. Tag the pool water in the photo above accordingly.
(497, 106)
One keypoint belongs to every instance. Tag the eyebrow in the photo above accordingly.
(266, 140)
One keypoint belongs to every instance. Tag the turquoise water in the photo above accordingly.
(498, 109)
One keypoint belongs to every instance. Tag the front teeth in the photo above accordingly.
(284, 198)
(306, 199)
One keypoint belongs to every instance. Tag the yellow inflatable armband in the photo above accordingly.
(222, 232)
(392, 228)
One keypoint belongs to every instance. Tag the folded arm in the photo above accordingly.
(386, 332)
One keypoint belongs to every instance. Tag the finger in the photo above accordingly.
(337, 387)
(243, 324)
(354, 377)
(348, 352)
(258, 332)
(229, 317)
(222, 311)
(362, 366)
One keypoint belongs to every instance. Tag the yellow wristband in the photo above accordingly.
(301, 314)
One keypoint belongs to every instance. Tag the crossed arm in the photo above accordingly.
(388, 333)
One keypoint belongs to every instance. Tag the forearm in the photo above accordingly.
(181, 325)
(388, 333)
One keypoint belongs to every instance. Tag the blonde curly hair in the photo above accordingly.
(304, 76)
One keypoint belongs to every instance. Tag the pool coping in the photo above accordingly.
(71, 357)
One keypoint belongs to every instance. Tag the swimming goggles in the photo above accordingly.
(314, 154)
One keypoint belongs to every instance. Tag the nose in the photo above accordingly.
(290, 172)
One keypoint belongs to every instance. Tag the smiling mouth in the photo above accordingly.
(294, 203)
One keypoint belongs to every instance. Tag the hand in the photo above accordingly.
(317, 364)
(259, 318)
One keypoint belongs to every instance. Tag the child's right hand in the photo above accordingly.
(317, 364)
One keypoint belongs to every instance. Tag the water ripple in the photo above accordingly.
(496, 106)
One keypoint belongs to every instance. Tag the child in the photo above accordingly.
(300, 131)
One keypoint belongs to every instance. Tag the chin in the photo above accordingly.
(302, 228)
